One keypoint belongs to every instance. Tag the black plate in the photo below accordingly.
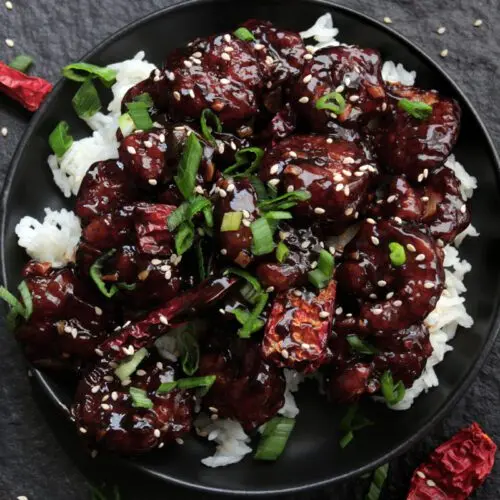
(313, 457)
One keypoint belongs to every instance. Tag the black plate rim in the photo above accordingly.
(40, 377)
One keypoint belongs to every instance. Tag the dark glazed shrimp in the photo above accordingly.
(335, 172)
(105, 414)
(390, 297)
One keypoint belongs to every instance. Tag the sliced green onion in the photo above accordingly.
(321, 276)
(379, 478)
(140, 398)
(201, 261)
(285, 201)
(397, 254)
(417, 109)
(186, 211)
(86, 101)
(145, 98)
(251, 323)
(190, 351)
(282, 252)
(393, 393)
(11, 299)
(128, 366)
(208, 215)
(346, 439)
(278, 215)
(80, 71)
(96, 275)
(243, 317)
(274, 438)
(259, 187)
(188, 166)
(21, 62)
(126, 124)
(353, 421)
(360, 346)
(252, 280)
(184, 238)
(318, 278)
(27, 300)
(262, 233)
(188, 383)
(60, 140)
(244, 34)
(231, 221)
(333, 102)
(206, 130)
(139, 112)
(126, 286)
(244, 157)
(248, 292)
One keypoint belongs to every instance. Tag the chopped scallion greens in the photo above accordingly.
(333, 102)
(231, 221)
(206, 130)
(96, 275)
(262, 233)
(397, 253)
(253, 321)
(360, 346)
(278, 215)
(139, 112)
(282, 252)
(244, 34)
(28, 301)
(21, 62)
(188, 166)
(188, 383)
(346, 439)
(145, 98)
(393, 393)
(187, 210)
(184, 237)
(202, 271)
(243, 158)
(190, 350)
(17, 308)
(86, 101)
(378, 480)
(128, 366)
(80, 71)
(284, 201)
(243, 316)
(274, 438)
(417, 109)
(321, 276)
(60, 140)
(352, 421)
(126, 124)
(254, 282)
(140, 398)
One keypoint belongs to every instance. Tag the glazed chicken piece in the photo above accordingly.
(389, 292)
(303, 247)
(437, 202)
(155, 86)
(105, 187)
(220, 72)
(298, 328)
(352, 72)
(404, 353)
(412, 146)
(105, 413)
(248, 388)
(336, 173)
(68, 321)
(153, 236)
(236, 196)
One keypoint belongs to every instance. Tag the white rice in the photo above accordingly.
(54, 240)
(230, 437)
(69, 170)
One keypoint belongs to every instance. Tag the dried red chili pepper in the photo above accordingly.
(30, 91)
(456, 468)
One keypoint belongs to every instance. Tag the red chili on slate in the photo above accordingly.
(30, 91)
(456, 468)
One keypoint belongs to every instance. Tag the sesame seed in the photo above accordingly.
(387, 20)
(348, 160)
(391, 198)
(359, 174)
(114, 395)
(163, 319)
(307, 78)
(269, 60)
(420, 474)
(99, 352)
(230, 188)
(478, 22)
(428, 285)
(297, 293)
(227, 37)
(93, 453)
(226, 56)
(377, 311)
(105, 406)
(340, 89)
(283, 235)
(126, 382)
(375, 240)
(381, 283)
(373, 296)
(347, 80)
(305, 346)
(9, 42)
(95, 389)
(420, 257)
(331, 249)
(463, 208)
(347, 173)
(170, 75)
(191, 94)
(108, 378)
(349, 211)
(290, 188)
(157, 433)
(9, 6)
(161, 445)
(426, 172)
(420, 178)
(370, 220)
(223, 251)
(274, 169)
(188, 64)
(153, 182)
(399, 220)
(131, 150)
(425, 198)
(324, 314)
(319, 210)
(347, 190)
(83, 431)
(270, 289)
(292, 154)
(228, 49)
(440, 242)
(105, 397)
(389, 295)
(308, 56)
(274, 182)
(339, 187)
(233, 146)
(222, 193)
(411, 247)
(304, 100)
(197, 54)
(444, 53)
(148, 144)
(179, 441)
(177, 95)
(305, 244)
(314, 264)
(398, 303)
(329, 140)
(338, 311)
(354, 98)
(4, 131)
(430, 483)
(338, 178)
(284, 353)
(441, 30)
(258, 46)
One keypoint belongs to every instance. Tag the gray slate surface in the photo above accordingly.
(33, 461)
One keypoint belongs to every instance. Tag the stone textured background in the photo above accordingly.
(34, 443)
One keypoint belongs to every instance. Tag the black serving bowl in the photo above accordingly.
(313, 457)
